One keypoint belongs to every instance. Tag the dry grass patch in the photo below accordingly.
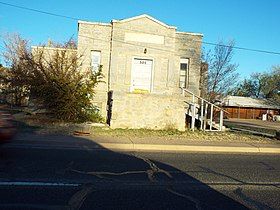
(175, 135)
(46, 125)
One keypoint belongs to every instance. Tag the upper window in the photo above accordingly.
(95, 60)
(184, 67)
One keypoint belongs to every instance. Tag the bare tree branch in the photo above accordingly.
(222, 72)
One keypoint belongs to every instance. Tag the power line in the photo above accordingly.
(120, 41)
(134, 44)
(39, 11)
(77, 19)
(211, 43)
(243, 48)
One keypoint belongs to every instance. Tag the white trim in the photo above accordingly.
(94, 23)
(144, 16)
(152, 72)
(93, 65)
(27, 183)
(185, 61)
(189, 33)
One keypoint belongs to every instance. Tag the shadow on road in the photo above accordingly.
(105, 179)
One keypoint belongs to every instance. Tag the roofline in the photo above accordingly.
(141, 16)
(256, 107)
(137, 17)
(94, 23)
(53, 48)
(189, 33)
(229, 98)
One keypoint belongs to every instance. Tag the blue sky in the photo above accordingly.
(251, 23)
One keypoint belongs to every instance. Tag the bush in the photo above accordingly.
(54, 77)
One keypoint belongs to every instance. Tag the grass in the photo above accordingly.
(137, 132)
(43, 124)
(188, 135)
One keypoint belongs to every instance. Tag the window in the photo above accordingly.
(184, 66)
(95, 60)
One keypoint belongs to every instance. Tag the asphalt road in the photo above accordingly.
(70, 173)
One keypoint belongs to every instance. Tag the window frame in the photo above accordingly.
(185, 75)
(95, 65)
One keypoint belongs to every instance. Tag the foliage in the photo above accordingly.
(54, 77)
(12, 79)
(271, 85)
(249, 87)
(222, 72)
(70, 44)
(260, 85)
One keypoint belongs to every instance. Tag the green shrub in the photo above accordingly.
(55, 77)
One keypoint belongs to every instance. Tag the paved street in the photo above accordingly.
(267, 128)
(73, 173)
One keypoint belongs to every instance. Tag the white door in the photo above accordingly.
(141, 74)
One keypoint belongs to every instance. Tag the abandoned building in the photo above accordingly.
(153, 75)
(146, 64)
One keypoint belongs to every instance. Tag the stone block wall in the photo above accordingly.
(150, 111)
(119, 43)
(96, 36)
(162, 54)
(188, 45)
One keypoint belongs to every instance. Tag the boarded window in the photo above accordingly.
(184, 66)
(95, 60)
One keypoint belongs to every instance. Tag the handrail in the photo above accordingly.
(208, 102)
(203, 110)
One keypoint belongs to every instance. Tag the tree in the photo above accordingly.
(222, 72)
(12, 78)
(260, 85)
(250, 87)
(54, 77)
(271, 83)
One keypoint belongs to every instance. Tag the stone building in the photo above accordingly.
(145, 64)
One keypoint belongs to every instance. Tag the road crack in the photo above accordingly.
(189, 198)
(250, 201)
(154, 169)
(151, 172)
(77, 200)
(103, 174)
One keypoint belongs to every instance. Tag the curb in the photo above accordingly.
(186, 148)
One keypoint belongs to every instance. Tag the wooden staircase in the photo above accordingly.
(209, 115)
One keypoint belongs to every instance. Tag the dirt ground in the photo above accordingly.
(256, 123)
(264, 127)
(43, 125)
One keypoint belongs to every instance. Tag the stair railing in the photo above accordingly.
(203, 111)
